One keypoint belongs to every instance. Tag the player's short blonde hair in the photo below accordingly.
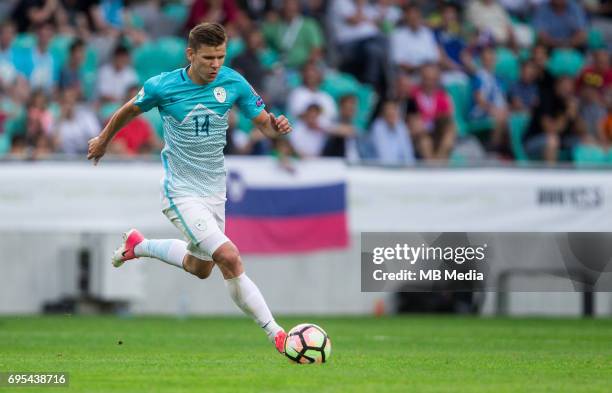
(208, 34)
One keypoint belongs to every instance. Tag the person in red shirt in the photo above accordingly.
(598, 75)
(430, 116)
(605, 127)
(592, 83)
(225, 12)
(136, 137)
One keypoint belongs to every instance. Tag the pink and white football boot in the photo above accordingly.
(279, 341)
(125, 252)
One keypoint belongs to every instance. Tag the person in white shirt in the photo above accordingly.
(115, 79)
(362, 48)
(413, 44)
(76, 125)
(309, 135)
(308, 93)
(390, 137)
(490, 17)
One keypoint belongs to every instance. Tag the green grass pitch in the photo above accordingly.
(407, 354)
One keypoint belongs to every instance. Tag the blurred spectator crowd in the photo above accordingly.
(386, 81)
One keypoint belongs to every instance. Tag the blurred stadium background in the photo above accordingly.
(409, 116)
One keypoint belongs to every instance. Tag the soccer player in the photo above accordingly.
(194, 103)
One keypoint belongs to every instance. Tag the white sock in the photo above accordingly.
(247, 297)
(171, 251)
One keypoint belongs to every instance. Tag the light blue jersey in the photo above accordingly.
(195, 122)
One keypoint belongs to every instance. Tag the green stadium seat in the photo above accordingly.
(24, 40)
(595, 39)
(588, 156)
(338, 84)
(480, 125)
(243, 123)
(565, 62)
(507, 67)
(147, 59)
(5, 144)
(155, 121)
(171, 52)
(55, 110)
(136, 20)
(268, 58)
(178, 12)
(60, 49)
(235, 47)
(89, 72)
(457, 159)
(15, 125)
(517, 125)
(107, 110)
(460, 95)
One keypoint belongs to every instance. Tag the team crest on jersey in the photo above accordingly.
(220, 94)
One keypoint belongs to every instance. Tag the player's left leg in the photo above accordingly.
(245, 293)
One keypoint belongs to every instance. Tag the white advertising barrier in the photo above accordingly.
(79, 197)
(479, 200)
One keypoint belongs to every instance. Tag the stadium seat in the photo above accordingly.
(55, 110)
(268, 58)
(235, 46)
(89, 72)
(24, 40)
(480, 125)
(146, 59)
(457, 159)
(172, 50)
(107, 110)
(136, 20)
(60, 49)
(595, 39)
(565, 62)
(517, 125)
(177, 12)
(15, 125)
(588, 156)
(507, 67)
(243, 123)
(5, 144)
(460, 95)
(338, 84)
(155, 121)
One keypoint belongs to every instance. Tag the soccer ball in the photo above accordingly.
(307, 343)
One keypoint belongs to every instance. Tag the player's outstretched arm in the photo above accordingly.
(272, 126)
(98, 145)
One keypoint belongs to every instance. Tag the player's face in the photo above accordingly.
(206, 61)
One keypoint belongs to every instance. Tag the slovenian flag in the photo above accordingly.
(272, 210)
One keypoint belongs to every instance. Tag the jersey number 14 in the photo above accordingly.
(203, 127)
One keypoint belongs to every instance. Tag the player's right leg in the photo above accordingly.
(189, 216)
(171, 251)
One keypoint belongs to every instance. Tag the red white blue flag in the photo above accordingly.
(271, 210)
